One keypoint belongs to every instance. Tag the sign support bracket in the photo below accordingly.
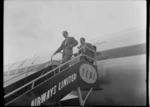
(81, 100)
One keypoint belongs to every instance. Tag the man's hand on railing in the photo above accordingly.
(56, 53)
(61, 52)
(75, 54)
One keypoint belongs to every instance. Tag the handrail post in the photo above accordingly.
(27, 74)
(80, 97)
(32, 85)
(59, 70)
(81, 100)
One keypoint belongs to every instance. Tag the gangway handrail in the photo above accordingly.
(31, 70)
(37, 78)
(49, 78)
(51, 63)
(94, 51)
(21, 67)
(52, 59)
(32, 82)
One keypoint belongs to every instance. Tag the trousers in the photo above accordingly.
(65, 58)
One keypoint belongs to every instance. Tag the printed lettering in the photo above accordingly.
(94, 76)
(86, 73)
(38, 101)
(83, 72)
(54, 89)
(32, 103)
(43, 97)
(51, 92)
(59, 86)
(47, 95)
(90, 75)
(35, 102)
(65, 82)
(75, 76)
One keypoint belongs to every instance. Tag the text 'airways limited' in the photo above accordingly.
(52, 91)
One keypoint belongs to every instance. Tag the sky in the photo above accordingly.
(34, 27)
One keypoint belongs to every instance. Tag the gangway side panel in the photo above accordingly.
(54, 89)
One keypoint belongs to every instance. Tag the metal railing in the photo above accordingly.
(53, 70)
(31, 82)
(94, 51)
(31, 70)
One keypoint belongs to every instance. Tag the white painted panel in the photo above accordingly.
(123, 81)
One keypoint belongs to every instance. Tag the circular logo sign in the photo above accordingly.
(88, 73)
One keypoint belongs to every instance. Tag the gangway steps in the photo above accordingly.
(52, 90)
(47, 87)
(29, 78)
(26, 80)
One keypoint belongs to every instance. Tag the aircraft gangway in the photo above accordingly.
(50, 87)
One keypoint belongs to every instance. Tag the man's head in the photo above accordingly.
(65, 34)
(82, 40)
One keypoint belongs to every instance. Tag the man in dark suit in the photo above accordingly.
(86, 51)
(67, 47)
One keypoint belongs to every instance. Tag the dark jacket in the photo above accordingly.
(67, 46)
(88, 52)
